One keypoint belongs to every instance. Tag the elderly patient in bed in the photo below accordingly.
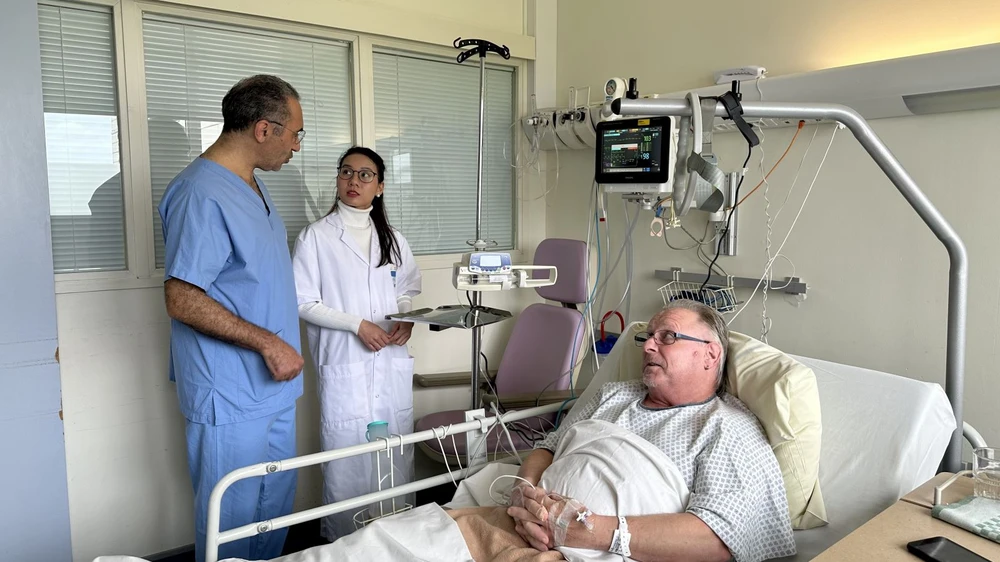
(685, 461)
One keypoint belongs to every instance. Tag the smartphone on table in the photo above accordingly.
(940, 549)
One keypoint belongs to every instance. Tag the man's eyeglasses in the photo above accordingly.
(665, 337)
(299, 135)
(346, 173)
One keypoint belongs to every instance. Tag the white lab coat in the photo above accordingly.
(356, 385)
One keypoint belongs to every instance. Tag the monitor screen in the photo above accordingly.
(633, 151)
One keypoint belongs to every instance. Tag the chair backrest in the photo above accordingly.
(542, 349)
(547, 339)
(570, 259)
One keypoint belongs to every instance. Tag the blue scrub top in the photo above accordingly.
(220, 236)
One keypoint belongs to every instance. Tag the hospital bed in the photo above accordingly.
(882, 436)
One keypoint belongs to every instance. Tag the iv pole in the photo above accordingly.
(480, 47)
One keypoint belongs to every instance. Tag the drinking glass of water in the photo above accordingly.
(986, 472)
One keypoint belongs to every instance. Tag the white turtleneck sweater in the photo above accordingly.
(358, 223)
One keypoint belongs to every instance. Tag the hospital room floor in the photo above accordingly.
(306, 535)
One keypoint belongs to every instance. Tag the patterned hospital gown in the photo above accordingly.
(720, 449)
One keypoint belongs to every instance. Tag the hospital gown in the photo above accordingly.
(720, 450)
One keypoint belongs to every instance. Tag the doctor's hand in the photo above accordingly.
(373, 336)
(400, 333)
(282, 360)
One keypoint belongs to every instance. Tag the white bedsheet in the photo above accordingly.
(401, 537)
(883, 435)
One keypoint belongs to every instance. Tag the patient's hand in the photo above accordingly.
(547, 520)
(527, 508)
(518, 493)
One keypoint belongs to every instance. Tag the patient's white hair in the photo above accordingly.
(711, 318)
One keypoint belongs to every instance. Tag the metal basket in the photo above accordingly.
(722, 299)
(363, 517)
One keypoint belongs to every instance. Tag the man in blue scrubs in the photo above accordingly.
(234, 342)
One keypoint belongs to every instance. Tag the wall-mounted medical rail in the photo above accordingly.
(791, 285)
(213, 538)
(958, 278)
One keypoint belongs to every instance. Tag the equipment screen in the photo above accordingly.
(632, 150)
(491, 261)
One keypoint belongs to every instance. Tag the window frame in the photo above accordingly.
(130, 83)
(90, 279)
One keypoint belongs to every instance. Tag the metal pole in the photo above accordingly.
(479, 156)
(480, 244)
(477, 343)
(958, 278)
(727, 245)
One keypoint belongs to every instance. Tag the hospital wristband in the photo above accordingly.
(620, 541)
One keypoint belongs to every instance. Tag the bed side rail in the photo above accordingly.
(214, 537)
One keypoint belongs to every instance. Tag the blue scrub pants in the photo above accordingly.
(216, 450)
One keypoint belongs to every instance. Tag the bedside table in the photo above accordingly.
(909, 519)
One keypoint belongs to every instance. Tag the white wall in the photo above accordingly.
(129, 489)
(674, 45)
(877, 277)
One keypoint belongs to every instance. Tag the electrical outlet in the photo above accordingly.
(475, 440)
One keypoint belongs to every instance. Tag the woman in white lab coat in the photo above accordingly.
(351, 270)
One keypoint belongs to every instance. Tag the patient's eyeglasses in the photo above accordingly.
(665, 337)
(346, 173)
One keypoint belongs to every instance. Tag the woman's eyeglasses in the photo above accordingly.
(366, 176)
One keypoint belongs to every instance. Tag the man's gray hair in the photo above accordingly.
(258, 97)
(714, 322)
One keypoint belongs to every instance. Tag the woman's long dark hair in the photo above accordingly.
(380, 219)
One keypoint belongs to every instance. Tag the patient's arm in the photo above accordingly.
(669, 536)
(535, 464)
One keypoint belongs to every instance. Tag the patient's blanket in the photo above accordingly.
(423, 533)
(615, 472)
(609, 469)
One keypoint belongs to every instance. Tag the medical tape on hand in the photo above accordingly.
(572, 511)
